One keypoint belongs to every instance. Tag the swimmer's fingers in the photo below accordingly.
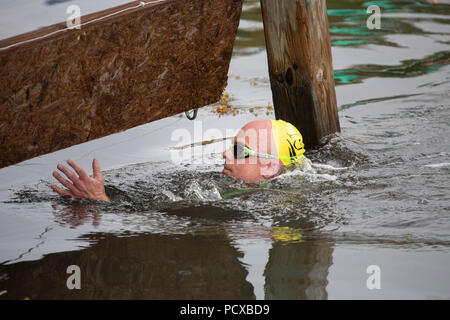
(65, 182)
(79, 170)
(69, 174)
(62, 191)
(96, 169)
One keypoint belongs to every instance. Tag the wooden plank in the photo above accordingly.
(300, 66)
(135, 65)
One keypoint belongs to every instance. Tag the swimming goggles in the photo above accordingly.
(241, 152)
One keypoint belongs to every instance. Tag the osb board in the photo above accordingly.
(128, 69)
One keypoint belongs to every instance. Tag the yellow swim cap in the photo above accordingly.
(289, 142)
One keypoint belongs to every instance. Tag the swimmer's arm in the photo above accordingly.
(82, 185)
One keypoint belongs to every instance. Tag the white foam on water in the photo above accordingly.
(306, 170)
(207, 192)
(171, 196)
(438, 165)
(328, 167)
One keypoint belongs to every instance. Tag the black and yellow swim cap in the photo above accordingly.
(289, 142)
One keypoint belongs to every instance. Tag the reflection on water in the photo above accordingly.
(298, 270)
(150, 266)
(142, 266)
(378, 190)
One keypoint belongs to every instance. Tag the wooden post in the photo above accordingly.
(300, 66)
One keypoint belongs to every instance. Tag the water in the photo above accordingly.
(376, 194)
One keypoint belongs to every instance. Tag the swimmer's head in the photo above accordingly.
(262, 149)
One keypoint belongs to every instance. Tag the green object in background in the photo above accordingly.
(239, 192)
(264, 185)
(347, 42)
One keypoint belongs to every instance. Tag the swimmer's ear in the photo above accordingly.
(271, 168)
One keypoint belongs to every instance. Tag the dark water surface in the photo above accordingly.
(377, 194)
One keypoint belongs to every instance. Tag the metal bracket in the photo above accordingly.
(191, 114)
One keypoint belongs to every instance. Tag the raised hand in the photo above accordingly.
(81, 185)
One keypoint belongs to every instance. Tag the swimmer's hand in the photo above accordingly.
(82, 186)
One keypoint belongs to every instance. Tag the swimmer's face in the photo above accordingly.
(256, 135)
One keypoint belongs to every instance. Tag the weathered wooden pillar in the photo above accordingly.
(300, 66)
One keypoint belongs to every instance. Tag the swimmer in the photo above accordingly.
(261, 150)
